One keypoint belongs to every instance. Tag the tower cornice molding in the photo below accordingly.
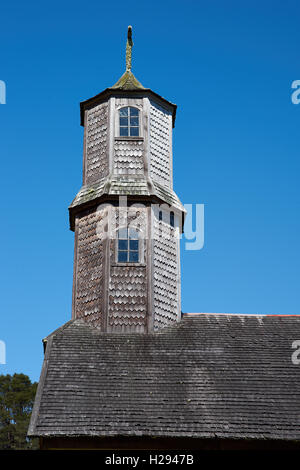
(118, 93)
(87, 199)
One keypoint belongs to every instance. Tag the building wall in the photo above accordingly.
(127, 311)
(128, 157)
(160, 134)
(128, 290)
(89, 264)
(116, 296)
(126, 297)
(96, 164)
(165, 272)
(106, 151)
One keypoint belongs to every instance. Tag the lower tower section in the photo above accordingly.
(126, 267)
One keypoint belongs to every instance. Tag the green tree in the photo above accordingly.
(16, 401)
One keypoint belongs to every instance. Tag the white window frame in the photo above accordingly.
(140, 248)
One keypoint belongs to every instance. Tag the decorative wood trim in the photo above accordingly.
(108, 92)
(130, 265)
(130, 138)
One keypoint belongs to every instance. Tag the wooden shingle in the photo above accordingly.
(210, 375)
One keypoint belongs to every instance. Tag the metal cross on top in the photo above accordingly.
(129, 45)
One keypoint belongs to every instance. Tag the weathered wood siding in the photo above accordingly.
(165, 274)
(160, 143)
(129, 157)
(96, 152)
(89, 269)
(128, 154)
(135, 102)
(127, 296)
(127, 299)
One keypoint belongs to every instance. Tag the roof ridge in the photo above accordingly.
(58, 330)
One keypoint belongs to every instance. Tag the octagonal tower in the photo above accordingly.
(126, 217)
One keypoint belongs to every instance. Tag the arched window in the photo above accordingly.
(128, 245)
(172, 219)
(129, 122)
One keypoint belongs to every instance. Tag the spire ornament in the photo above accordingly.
(129, 45)
(128, 80)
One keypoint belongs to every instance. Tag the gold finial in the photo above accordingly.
(129, 45)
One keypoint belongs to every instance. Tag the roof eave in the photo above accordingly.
(111, 198)
(108, 92)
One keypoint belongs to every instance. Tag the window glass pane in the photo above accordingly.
(134, 121)
(123, 112)
(134, 256)
(134, 112)
(172, 219)
(124, 131)
(133, 234)
(123, 121)
(122, 256)
(123, 244)
(122, 233)
(160, 215)
(134, 245)
(134, 131)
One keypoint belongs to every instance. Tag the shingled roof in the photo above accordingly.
(117, 185)
(128, 82)
(210, 375)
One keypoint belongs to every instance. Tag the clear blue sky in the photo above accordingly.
(228, 65)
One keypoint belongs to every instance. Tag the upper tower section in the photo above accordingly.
(126, 217)
(128, 131)
(127, 144)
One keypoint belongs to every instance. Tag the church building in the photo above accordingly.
(130, 370)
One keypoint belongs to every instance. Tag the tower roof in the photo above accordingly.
(126, 83)
(128, 80)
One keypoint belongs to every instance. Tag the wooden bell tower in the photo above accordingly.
(126, 217)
